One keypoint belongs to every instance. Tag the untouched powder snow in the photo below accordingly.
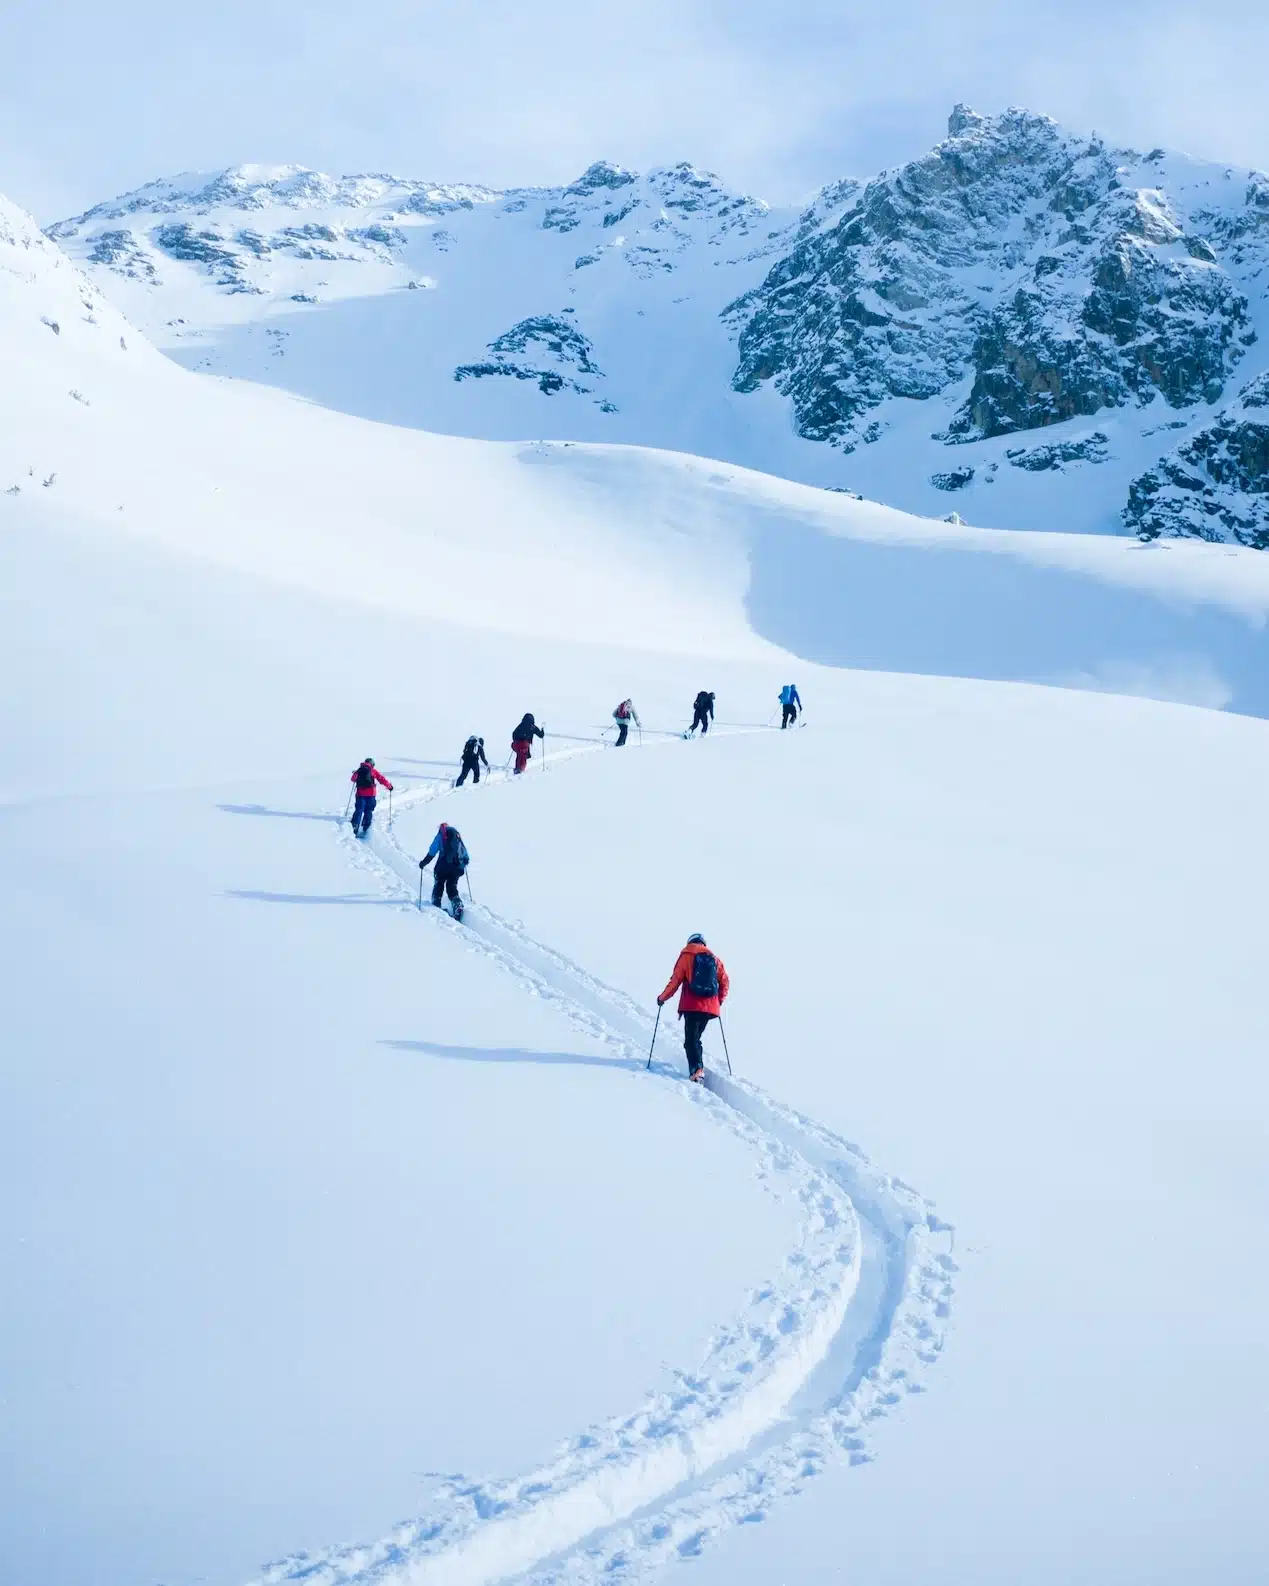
(346, 1237)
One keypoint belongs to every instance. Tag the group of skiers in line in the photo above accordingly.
(699, 975)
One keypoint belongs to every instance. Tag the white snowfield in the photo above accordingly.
(345, 1236)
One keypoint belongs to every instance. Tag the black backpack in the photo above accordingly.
(453, 850)
(365, 779)
(704, 981)
(469, 749)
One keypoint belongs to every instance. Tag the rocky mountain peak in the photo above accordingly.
(962, 120)
(1015, 256)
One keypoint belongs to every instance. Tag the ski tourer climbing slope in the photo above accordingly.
(702, 713)
(624, 714)
(473, 759)
(450, 852)
(366, 778)
(522, 740)
(790, 704)
(704, 986)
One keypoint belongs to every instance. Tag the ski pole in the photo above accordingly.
(655, 1028)
(389, 806)
(420, 889)
(348, 806)
(467, 878)
(723, 1033)
(544, 748)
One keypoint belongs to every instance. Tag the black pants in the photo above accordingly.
(469, 765)
(363, 813)
(700, 719)
(623, 727)
(445, 880)
(790, 714)
(693, 1029)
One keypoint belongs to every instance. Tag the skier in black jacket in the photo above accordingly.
(702, 713)
(473, 759)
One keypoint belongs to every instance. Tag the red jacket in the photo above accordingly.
(374, 772)
(689, 1002)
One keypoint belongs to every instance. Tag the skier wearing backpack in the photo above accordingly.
(522, 740)
(704, 984)
(473, 759)
(790, 704)
(624, 714)
(702, 713)
(450, 852)
(365, 777)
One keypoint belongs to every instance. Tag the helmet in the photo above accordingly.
(369, 760)
(696, 937)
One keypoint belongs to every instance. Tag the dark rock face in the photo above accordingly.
(1039, 459)
(545, 349)
(1215, 486)
(1012, 254)
(954, 479)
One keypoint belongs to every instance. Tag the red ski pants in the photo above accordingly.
(522, 749)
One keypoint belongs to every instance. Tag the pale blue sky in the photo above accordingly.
(778, 96)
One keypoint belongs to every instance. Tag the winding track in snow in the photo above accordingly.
(784, 1389)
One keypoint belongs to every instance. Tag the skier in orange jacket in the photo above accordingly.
(704, 984)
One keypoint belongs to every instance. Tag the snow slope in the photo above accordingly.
(326, 1219)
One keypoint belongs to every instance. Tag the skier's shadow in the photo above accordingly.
(365, 899)
(286, 815)
(510, 1054)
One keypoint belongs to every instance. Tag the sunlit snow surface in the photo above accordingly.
(341, 1234)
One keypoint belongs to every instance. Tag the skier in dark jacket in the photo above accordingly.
(473, 759)
(790, 704)
(522, 740)
(366, 778)
(450, 852)
(704, 984)
(702, 713)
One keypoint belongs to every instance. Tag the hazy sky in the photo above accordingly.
(778, 96)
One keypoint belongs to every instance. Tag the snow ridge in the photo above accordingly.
(787, 1386)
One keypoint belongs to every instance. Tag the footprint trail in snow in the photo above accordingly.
(784, 1389)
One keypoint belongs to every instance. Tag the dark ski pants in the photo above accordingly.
(623, 728)
(701, 720)
(445, 880)
(693, 1029)
(469, 765)
(790, 714)
(363, 813)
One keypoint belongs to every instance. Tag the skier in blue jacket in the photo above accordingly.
(450, 852)
(790, 704)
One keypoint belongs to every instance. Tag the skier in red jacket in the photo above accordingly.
(365, 777)
(704, 984)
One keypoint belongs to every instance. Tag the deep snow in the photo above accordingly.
(324, 1215)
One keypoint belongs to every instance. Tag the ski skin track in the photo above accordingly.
(785, 1389)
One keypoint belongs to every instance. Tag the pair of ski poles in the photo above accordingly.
(657, 1026)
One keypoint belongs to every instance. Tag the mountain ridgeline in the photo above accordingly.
(1055, 332)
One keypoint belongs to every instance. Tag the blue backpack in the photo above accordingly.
(786, 694)
(704, 980)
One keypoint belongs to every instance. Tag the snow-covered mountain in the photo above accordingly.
(1027, 328)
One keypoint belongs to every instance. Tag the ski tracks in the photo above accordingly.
(786, 1388)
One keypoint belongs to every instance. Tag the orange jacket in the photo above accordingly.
(689, 1002)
